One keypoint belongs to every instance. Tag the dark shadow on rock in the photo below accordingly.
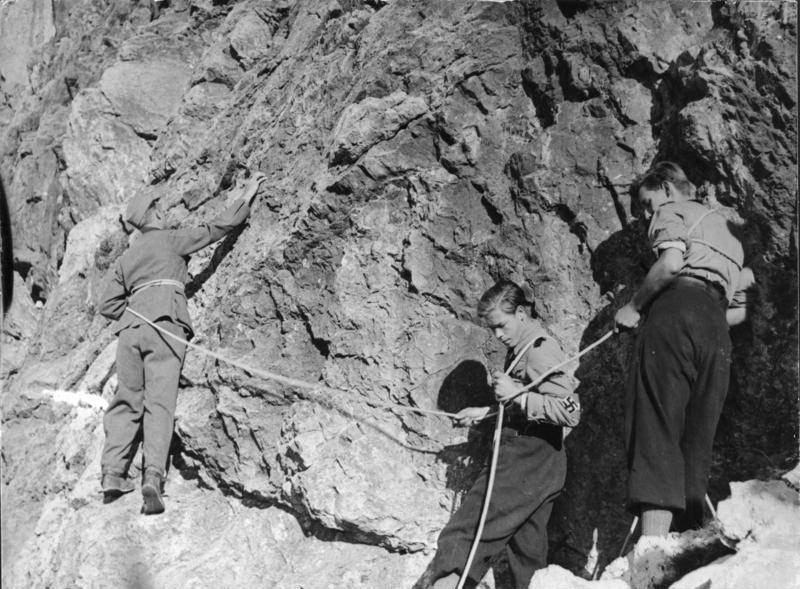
(622, 259)
(465, 386)
(596, 467)
(596, 474)
(222, 250)
(6, 249)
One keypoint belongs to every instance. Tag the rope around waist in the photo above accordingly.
(159, 282)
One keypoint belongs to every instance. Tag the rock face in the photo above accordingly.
(761, 521)
(416, 151)
(764, 517)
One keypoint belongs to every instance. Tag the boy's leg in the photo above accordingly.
(655, 521)
(162, 367)
(123, 417)
(456, 538)
(527, 550)
(702, 417)
(529, 470)
(659, 389)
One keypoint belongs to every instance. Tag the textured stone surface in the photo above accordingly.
(555, 576)
(765, 511)
(19, 326)
(24, 26)
(658, 562)
(415, 151)
(778, 567)
(145, 94)
(80, 542)
(764, 518)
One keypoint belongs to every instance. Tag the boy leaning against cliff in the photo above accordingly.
(149, 278)
(532, 463)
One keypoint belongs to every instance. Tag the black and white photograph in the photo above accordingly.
(399, 294)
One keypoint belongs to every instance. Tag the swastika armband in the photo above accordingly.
(570, 405)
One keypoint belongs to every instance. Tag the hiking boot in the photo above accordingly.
(115, 487)
(151, 492)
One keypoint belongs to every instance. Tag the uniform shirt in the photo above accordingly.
(160, 254)
(554, 400)
(710, 250)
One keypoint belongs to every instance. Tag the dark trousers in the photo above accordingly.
(676, 389)
(530, 474)
(148, 369)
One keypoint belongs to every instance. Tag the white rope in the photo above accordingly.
(293, 382)
(158, 282)
(498, 427)
(496, 444)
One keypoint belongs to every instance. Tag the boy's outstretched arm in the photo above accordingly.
(187, 241)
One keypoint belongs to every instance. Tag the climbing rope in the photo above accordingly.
(316, 387)
(498, 428)
(293, 382)
(496, 443)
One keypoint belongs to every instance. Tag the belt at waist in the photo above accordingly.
(531, 428)
(717, 291)
(158, 282)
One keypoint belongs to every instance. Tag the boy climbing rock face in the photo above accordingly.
(678, 378)
(149, 278)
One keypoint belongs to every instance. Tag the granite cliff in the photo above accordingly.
(416, 151)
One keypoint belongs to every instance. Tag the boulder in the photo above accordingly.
(555, 576)
(764, 518)
(107, 162)
(145, 95)
(19, 326)
(658, 562)
(24, 26)
(364, 124)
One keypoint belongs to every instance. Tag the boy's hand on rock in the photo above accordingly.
(252, 185)
(470, 415)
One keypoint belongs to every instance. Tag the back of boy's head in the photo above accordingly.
(137, 212)
(505, 296)
(660, 173)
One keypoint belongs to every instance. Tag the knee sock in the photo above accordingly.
(655, 522)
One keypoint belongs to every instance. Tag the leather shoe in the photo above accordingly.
(151, 492)
(115, 487)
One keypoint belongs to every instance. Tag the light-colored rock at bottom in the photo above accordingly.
(202, 540)
(765, 517)
(556, 577)
(655, 561)
(752, 566)
(766, 511)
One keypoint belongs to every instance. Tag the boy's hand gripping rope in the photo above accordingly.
(498, 427)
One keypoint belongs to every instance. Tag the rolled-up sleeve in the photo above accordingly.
(668, 229)
(187, 241)
(115, 296)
